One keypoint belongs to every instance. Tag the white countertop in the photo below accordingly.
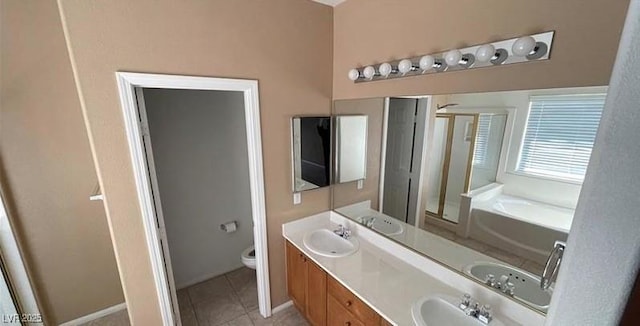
(390, 278)
(438, 248)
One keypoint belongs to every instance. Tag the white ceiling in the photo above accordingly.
(331, 3)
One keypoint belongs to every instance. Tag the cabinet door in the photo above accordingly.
(296, 276)
(316, 294)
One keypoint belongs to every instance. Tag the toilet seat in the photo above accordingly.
(249, 257)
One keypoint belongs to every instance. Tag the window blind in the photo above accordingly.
(481, 149)
(559, 136)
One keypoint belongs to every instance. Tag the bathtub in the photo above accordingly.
(520, 226)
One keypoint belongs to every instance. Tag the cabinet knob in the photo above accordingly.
(349, 303)
(347, 323)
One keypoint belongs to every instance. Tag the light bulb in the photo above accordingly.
(385, 69)
(369, 72)
(523, 46)
(427, 62)
(453, 57)
(354, 74)
(404, 66)
(485, 53)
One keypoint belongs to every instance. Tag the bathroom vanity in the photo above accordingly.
(321, 298)
(381, 283)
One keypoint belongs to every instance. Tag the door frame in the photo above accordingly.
(16, 274)
(127, 82)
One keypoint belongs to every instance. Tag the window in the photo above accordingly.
(559, 136)
(481, 149)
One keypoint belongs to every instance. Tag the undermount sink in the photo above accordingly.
(443, 310)
(384, 224)
(526, 285)
(326, 243)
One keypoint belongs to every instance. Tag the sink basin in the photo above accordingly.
(443, 310)
(527, 286)
(384, 224)
(326, 243)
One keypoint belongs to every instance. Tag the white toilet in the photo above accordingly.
(249, 257)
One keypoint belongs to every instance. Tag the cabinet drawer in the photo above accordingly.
(337, 315)
(351, 303)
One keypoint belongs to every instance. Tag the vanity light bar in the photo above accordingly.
(516, 50)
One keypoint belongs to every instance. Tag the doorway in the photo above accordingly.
(187, 136)
(403, 140)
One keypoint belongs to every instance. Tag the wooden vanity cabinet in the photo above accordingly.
(320, 298)
(307, 286)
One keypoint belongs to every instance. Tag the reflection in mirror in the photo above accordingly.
(311, 142)
(404, 130)
(487, 147)
(351, 148)
(484, 183)
(464, 156)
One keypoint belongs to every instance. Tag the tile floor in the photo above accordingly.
(226, 300)
(496, 253)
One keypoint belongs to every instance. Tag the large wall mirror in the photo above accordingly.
(484, 183)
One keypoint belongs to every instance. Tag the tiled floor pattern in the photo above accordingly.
(227, 300)
(494, 252)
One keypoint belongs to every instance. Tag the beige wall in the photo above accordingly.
(285, 44)
(48, 173)
(348, 193)
(373, 31)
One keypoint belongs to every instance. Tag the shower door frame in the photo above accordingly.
(447, 161)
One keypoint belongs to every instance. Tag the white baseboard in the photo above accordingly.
(281, 307)
(96, 315)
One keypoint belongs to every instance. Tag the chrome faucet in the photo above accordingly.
(368, 221)
(343, 232)
(504, 284)
(472, 308)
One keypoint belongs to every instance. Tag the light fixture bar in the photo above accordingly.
(516, 50)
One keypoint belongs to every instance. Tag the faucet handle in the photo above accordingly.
(466, 301)
(509, 289)
(485, 315)
(490, 280)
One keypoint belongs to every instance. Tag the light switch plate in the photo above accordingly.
(360, 184)
(297, 199)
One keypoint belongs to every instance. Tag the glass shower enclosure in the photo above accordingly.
(464, 155)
